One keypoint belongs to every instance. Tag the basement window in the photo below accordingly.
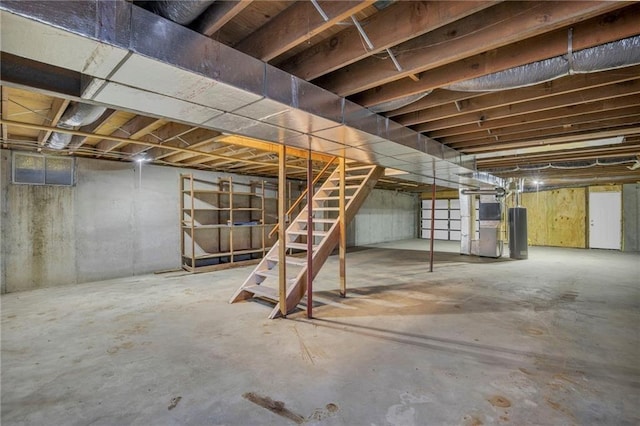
(37, 169)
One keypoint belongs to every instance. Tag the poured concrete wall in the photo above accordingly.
(4, 183)
(120, 220)
(631, 217)
(385, 216)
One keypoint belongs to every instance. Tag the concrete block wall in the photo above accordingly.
(122, 220)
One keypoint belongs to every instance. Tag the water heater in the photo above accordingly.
(518, 243)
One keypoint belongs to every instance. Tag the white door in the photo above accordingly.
(604, 220)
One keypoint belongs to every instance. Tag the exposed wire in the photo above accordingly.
(30, 110)
(563, 167)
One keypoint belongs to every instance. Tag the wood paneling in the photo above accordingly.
(557, 217)
(606, 188)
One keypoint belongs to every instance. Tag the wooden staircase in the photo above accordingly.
(263, 282)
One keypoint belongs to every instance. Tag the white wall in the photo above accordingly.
(116, 222)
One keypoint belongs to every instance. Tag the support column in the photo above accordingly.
(433, 223)
(343, 230)
(309, 236)
(282, 229)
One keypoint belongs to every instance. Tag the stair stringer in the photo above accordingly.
(297, 291)
(295, 287)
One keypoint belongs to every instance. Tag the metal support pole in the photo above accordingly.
(282, 230)
(193, 221)
(309, 236)
(433, 223)
(343, 230)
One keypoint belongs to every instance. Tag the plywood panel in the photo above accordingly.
(606, 188)
(441, 195)
(557, 218)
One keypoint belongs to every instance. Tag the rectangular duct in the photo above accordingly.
(199, 81)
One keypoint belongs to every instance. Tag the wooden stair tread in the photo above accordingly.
(271, 273)
(263, 291)
(290, 260)
(336, 188)
(300, 246)
(319, 220)
(354, 177)
(328, 209)
(304, 232)
(335, 197)
(351, 169)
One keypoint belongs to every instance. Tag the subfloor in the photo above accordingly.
(552, 340)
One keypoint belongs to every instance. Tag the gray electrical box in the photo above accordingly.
(518, 239)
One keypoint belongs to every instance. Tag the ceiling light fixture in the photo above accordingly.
(141, 158)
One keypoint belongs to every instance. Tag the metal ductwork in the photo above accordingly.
(76, 115)
(182, 12)
(398, 103)
(617, 54)
(125, 57)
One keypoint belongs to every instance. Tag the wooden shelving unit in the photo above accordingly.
(224, 223)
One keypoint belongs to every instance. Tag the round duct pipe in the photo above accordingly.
(498, 192)
(617, 54)
(398, 103)
(182, 12)
(76, 115)
(59, 140)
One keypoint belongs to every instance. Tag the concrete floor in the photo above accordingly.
(553, 340)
